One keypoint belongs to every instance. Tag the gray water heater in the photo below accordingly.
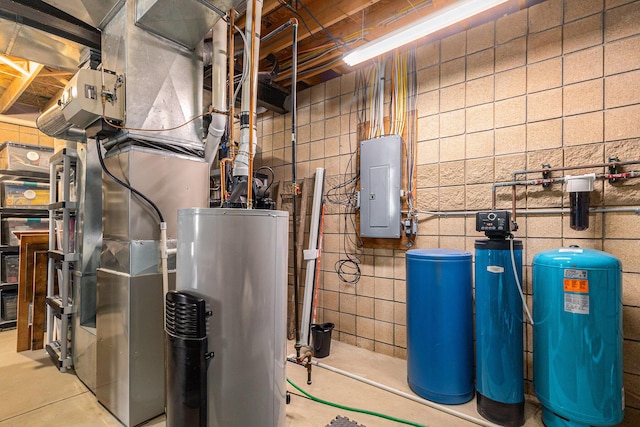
(380, 181)
(236, 260)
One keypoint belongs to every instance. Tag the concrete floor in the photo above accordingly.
(33, 393)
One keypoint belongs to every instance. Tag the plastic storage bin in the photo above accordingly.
(24, 158)
(10, 268)
(9, 225)
(25, 194)
(9, 307)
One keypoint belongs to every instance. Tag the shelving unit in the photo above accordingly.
(62, 257)
(10, 287)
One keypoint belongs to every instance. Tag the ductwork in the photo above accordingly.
(241, 162)
(218, 90)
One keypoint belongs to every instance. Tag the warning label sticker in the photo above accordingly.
(570, 273)
(576, 285)
(576, 303)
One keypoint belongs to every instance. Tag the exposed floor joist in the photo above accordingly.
(18, 86)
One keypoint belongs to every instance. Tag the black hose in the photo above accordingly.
(125, 185)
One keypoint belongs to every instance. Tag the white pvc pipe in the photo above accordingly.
(439, 407)
(241, 161)
(218, 90)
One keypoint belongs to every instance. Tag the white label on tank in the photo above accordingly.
(575, 274)
(495, 269)
(575, 250)
(574, 303)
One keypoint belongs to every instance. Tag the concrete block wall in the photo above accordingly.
(556, 83)
(23, 134)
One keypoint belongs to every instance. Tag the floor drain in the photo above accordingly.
(343, 422)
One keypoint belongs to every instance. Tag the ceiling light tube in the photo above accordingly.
(431, 23)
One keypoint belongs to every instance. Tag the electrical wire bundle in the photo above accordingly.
(412, 134)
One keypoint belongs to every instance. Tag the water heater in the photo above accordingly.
(577, 346)
(236, 260)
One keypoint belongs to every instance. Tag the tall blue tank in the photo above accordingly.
(499, 350)
(440, 325)
(577, 337)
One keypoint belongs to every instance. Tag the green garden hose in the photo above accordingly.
(348, 408)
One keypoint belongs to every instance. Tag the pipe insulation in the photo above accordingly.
(241, 161)
(218, 91)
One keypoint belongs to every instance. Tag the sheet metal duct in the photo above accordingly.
(94, 12)
(19, 40)
(185, 22)
(163, 81)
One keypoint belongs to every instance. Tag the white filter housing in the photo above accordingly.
(580, 183)
(236, 260)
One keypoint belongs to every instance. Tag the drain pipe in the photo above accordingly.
(443, 408)
(218, 92)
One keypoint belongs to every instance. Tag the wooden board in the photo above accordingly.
(403, 242)
(39, 295)
(29, 243)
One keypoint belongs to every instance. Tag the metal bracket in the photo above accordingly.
(546, 174)
(613, 168)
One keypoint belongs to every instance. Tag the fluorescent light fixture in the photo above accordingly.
(436, 21)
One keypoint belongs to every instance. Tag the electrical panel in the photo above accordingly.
(380, 181)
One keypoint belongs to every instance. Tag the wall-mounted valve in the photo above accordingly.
(546, 174)
(613, 168)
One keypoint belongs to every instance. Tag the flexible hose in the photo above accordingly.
(515, 274)
(348, 408)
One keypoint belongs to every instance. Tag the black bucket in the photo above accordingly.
(321, 335)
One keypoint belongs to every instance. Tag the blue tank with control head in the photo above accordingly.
(577, 337)
(499, 346)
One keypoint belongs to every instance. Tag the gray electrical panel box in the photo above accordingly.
(380, 180)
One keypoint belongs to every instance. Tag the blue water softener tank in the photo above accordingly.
(499, 351)
(440, 325)
(577, 337)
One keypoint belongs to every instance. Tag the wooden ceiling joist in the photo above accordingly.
(18, 86)
(340, 10)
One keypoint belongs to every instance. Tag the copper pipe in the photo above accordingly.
(513, 203)
(231, 53)
(223, 176)
(252, 106)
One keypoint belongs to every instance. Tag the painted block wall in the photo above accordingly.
(557, 83)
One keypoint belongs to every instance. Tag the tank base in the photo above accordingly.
(506, 414)
(551, 419)
(447, 399)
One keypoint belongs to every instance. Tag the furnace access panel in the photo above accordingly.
(380, 180)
